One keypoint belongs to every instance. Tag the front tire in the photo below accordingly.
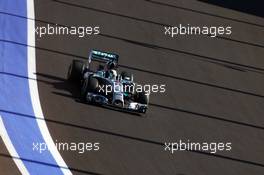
(127, 76)
(142, 98)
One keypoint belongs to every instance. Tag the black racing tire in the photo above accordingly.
(142, 98)
(75, 70)
(90, 84)
(125, 74)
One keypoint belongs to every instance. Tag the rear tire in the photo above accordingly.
(90, 84)
(75, 70)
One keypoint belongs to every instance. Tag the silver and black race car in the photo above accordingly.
(101, 84)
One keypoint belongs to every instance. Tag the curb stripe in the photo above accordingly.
(34, 88)
(11, 149)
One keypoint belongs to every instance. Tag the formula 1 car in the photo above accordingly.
(102, 85)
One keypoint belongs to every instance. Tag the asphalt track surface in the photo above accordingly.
(8, 166)
(214, 87)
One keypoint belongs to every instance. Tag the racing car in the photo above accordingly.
(101, 84)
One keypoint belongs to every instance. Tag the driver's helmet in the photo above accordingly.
(112, 74)
(111, 65)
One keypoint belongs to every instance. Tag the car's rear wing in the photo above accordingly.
(102, 56)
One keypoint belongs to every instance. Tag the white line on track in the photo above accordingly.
(34, 89)
(11, 149)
